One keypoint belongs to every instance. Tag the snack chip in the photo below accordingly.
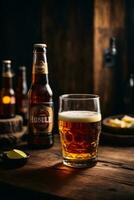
(124, 122)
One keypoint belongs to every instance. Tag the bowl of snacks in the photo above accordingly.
(121, 124)
(118, 129)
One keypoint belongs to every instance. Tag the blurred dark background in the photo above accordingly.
(76, 33)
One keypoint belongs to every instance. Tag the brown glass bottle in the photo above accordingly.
(21, 94)
(7, 95)
(40, 102)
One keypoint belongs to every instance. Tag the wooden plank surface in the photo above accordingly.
(112, 177)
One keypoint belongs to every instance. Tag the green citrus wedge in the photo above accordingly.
(16, 154)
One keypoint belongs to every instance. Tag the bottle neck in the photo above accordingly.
(40, 68)
(40, 78)
(22, 82)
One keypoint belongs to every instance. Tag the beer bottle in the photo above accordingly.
(7, 95)
(40, 101)
(21, 94)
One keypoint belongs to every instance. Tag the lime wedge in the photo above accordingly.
(16, 154)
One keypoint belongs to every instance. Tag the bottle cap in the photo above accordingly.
(6, 61)
(7, 70)
(40, 45)
(22, 67)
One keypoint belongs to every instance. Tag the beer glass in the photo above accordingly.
(79, 128)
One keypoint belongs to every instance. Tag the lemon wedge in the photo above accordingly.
(16, 154)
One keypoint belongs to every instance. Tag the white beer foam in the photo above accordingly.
(80, 116)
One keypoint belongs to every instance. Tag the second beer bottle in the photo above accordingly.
(7, 94)
(40, 123)
(21, 95)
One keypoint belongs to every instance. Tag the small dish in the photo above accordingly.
(116, 130)
(10, 163)
(116, 136)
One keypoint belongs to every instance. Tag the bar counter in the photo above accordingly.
(45, 177)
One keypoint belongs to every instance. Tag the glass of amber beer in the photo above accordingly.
(79, 128)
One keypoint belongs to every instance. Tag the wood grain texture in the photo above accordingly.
(112, 177)
(11, 125)
(12, 140)
(67, 29)
(109, 21)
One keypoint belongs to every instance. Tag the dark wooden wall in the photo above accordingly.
(66, 28)
(109, 21)
(72, 30)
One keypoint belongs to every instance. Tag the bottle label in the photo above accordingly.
(41, 68)
(41, 119)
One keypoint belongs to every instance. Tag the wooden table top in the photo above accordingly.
(112, 177)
